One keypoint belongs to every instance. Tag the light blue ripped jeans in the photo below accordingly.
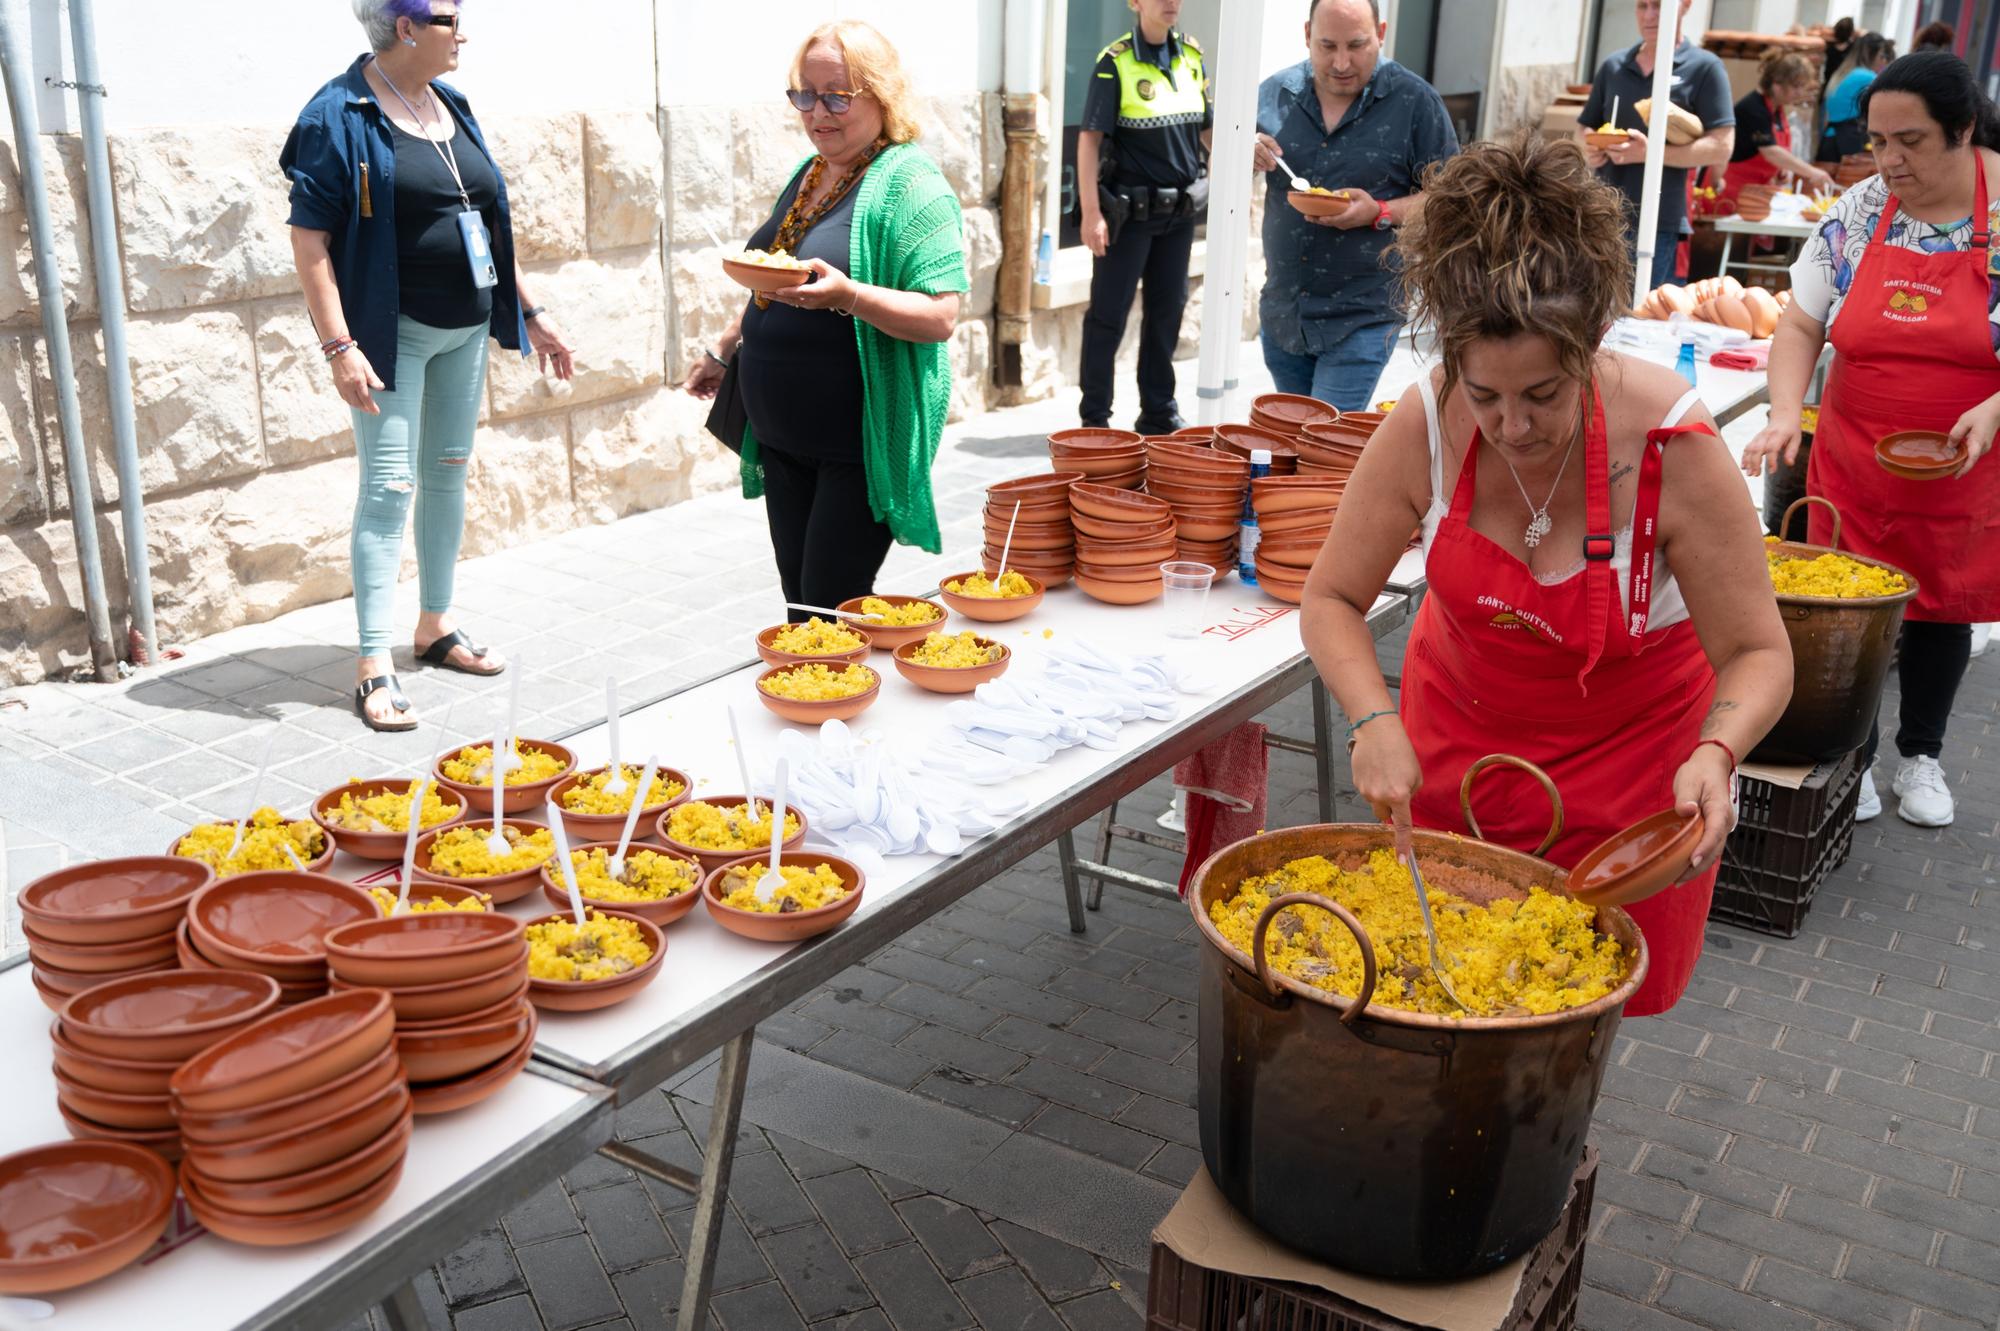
(419, 446)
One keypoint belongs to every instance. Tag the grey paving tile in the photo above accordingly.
(624, 1226)
(766, 1195)
(1109, 1142)
(764, 1307)
(1174, 1163)
(859, 1016)
(480, 1270)
(569, 1284)
(853, 1208)
(1000, 957)
(965, 1053)
(190, 773)
(908, 964)
(738, 1259)
(890, 1064)
(868, 1319)
(1058, 1270)
(821, 1281)
(1002, 1104)
(806, 1162)
(1079, 1090)
(1033, 1038)
(510, 1314)
(1004, 1300)
(546, 1215)
(1102, 1311)
(651, 1294)
(912, 1293)
(959, 1244)
(1174, 1122)
(1139, 1037)
(943, 1009)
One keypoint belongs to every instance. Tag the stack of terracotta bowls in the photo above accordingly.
(1122, 538)
(297, 1125)
(118, 1045)
(1294, 514)
(1240, 440)
(1105, 457)
(274, 924)
(1288, 413)
(1329, 449)
(1205, 489)
(458, 985)
(1044, 545)
(106, 920)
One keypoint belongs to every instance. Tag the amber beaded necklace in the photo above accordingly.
(799, 218)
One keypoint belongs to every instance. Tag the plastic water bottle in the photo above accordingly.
(1684, 363)
(1246, 528)
(1045, 260)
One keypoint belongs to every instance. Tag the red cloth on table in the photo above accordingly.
(1226, 786)
(1755, 356)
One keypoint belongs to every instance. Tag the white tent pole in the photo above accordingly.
(1230, 182)
(1656, 152)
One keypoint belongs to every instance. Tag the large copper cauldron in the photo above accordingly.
(1385, 1142)
(1840, 656)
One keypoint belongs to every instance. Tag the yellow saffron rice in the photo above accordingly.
(1010, 585)
(604, 947)
(461, 852)
(385, 897)
(733, 827)
(589, 795)
(955, 651)
(804, 889)
(473, 766)
(816, 637)
(814, 682)
(875, 610)
(649, 875)
(389, 810)
(1512, 957)
(1834, 576)
(266, 833)
(769, 259)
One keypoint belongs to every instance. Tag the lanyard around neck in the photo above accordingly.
(444, 150)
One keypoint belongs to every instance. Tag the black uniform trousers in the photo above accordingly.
(1156, 250)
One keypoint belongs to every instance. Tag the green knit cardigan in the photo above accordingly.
(908, 235)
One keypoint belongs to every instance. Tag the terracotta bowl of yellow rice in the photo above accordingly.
(893, 632)
(659, 885)
(990, 608)
(551, 948)
(590, 813)
(960, 663)
(713, 831)
(266, 833)
(370, 819)
(811, 877)
(428, 897)
(460, 772)
(456, 856)
(817, 634)
(825, 689)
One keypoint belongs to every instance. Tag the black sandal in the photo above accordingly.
(397, 701)
(439, 654)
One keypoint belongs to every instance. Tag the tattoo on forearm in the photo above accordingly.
(1713, 721)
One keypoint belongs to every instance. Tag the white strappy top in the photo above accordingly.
(1668, 607)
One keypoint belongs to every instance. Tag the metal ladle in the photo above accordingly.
(1439, 962)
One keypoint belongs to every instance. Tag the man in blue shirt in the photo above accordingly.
(1348, 119)
(1700, 86)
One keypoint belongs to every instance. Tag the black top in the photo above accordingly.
(800, 370)
(436, 279)
(1152, 128)
(1756, 127)
(1700, 85)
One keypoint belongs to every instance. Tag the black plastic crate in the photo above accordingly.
(1786, 843)
(1181, 1296)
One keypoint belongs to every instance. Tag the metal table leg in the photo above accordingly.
(1104, 830)
(1323, 746)
(1072, 885)
(1722, 269)
(724, 1117)
(402, 1311)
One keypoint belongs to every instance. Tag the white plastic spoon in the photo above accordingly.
(256, 788)
(568, 869)
(773, 878)
(742, 760)
(616, 784)
(837, 614)
(496, 840)
(1299, 182)
(513, 759)
(410, 850)
(1008, 545)
(28, 1310)
(297, 863)
(617, 865)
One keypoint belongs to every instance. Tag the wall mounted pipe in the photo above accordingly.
(19, 80)
(111, 302)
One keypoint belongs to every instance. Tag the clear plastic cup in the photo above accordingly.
(1186, 597)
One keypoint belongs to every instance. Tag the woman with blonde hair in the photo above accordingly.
(1593, 605)
(835, 392)
(1763, 151)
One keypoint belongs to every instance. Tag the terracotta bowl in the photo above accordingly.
(287, 1052)
(790, 928)
(297, 1172)
(1316, 521)
(1369, 418)
(1052, 506)
(1115, 505)
(772, 656)
(421, 891)
(611, 826)
(288, 1230)
(317, 864)
(439, 1053)
(1133, 479)
(74, 1212)
(120, 1076)
(1204, 457)
(1048, 485)
(1298, 558)
(57, 986)
(508, 1006)
(170, 1014)
(1919, 455)
(1643, 859)
(1273, 503)
(1032, 562)
(1598, 138)
(371, 845)
(1103, 529)
(1183, 496)
(1100, 466)
(275, 922)
(1122, 572)
(1148, 553)
(163, 1142)
(761, 277)
(817, 713)
(946, 679)
(1318, 205)
(1196, 528)
(1238, 440)
(990, 609)
(445, 1096)
(515, 799)
(1119, 593)
(113, 901)
(425, 949)
(1274, 582)
(1209, 478)
(451, 1001)
(1290, 411)
(100, 958)
(889, 637)
(1220, 565)
(710, 859)
(1349, 434)
(313, 1105)
(1050, 575)
(1307, 467)
(662, 912)
(1042, 536)
(503, 887)
(145, 1113)
(590, 995)
(1093, 437)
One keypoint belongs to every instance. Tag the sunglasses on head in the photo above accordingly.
(836, 102)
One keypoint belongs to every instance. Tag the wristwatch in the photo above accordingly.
(1383, 220)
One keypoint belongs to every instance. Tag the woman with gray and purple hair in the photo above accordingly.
(405, 250)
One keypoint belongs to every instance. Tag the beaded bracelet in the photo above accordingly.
(1733, 764)
(338, 347)
(1387, 711)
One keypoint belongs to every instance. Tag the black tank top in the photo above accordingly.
(435, 280)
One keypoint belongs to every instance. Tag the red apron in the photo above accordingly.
(1755, 169)
(1913, 350)
(1498, 662)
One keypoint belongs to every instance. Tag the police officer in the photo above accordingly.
(1141, 169)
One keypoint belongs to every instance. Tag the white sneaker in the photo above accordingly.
(1868, 804)
(1926, 798)
(1981, 634)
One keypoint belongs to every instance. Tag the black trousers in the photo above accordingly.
(1156, 251)
(1930, 667)
(828, 543)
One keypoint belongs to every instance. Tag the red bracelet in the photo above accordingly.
(1724, 747)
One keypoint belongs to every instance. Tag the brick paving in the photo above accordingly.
(980, 1124)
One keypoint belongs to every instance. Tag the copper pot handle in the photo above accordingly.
(1785, 523)
(1509, 760)
(1367, 991)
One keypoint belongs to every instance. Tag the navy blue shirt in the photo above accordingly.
(341, 159)
(1321, 284)
(1700, 86)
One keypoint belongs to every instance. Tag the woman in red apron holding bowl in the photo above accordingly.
(1902, 274)
(1598, 602)
(1763, 153)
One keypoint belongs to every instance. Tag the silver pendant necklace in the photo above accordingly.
(1539, 523)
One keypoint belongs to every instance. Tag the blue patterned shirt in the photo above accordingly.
(1321, 284)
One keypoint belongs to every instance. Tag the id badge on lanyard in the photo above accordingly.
(478, 248)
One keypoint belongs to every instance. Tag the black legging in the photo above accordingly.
(828, 543)
(1931, 665)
